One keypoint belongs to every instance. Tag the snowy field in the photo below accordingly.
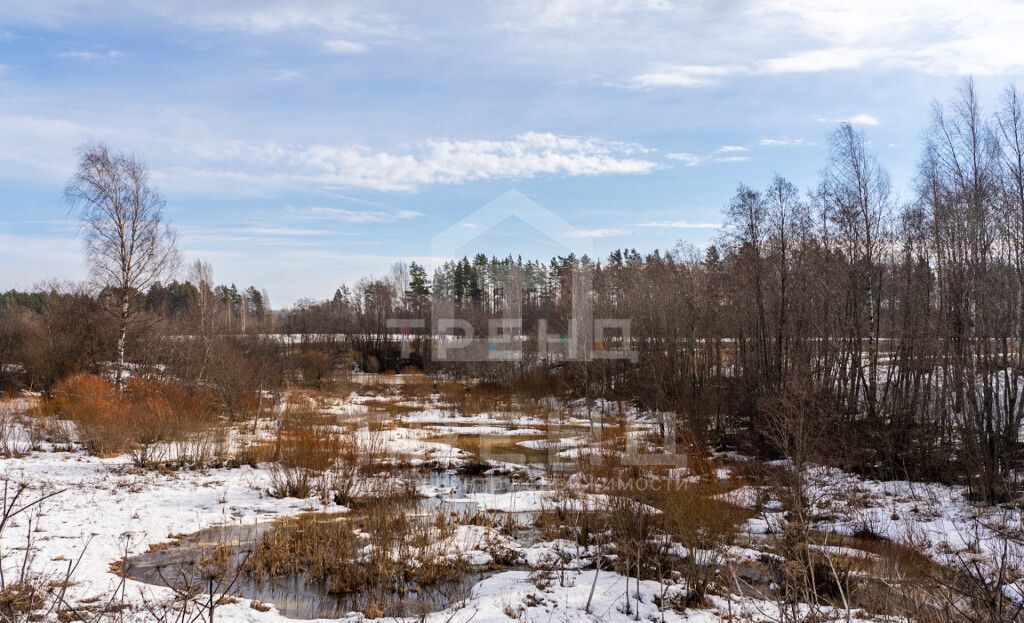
(97, 513)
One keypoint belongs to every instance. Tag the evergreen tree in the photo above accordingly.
(259, 308)
(418, 280)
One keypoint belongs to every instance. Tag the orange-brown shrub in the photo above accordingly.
(147, 413)
(97, 410)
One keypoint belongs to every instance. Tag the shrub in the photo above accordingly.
(704, 526)
(141, 420)
(97, 410)
(150, 418)
(304, 455)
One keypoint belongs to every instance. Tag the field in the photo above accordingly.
(399, 497)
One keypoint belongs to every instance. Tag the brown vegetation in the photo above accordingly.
(382, 554)
(148, 413)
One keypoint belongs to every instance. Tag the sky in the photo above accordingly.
(300, 145)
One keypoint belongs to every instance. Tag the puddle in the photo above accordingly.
(296, 595)
(506, 449)
(453, 488)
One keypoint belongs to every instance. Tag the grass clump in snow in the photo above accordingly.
(382, 555)
(314, 456)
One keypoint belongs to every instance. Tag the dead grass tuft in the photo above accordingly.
(381, 554)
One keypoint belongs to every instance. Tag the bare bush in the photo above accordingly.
(28, 594)
(304, 457)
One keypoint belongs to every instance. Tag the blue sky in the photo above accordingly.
(303, 144)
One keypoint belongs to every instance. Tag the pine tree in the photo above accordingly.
(255, 297)
(418, 280)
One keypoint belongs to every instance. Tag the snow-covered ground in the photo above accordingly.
(104, 508)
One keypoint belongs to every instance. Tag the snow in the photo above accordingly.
(938, 520)
(536, 501)
(556, 444)
(746, 496)
(107, 505)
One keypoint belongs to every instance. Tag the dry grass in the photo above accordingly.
(147, 414)
(381, 554)
(19, 599)
(393, 408)
(303, 457)
(254, 453)
(474, 398)
(302, 410)
(312, 454)
(17, 432)
(26, 423)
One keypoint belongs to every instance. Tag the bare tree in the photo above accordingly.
(859, 189)
(128, 245)
(204, 309)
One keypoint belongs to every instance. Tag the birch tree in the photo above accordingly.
(128, 245)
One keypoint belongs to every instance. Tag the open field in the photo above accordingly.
(421, 509)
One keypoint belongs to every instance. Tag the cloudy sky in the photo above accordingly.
(302, 144)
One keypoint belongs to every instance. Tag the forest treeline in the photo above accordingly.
(839, 324)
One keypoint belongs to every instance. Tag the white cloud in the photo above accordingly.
(604, 232)
(523, 15)
(858, 119)
(688, 76)
(814, 61)
(37, 146)
(785, 142)
(439, 161)
(680, 225)
(688, 159)
(286, 75)
(344, 46)
(826, 59)
(642, 43)
(44, 146)
(939, 37)
(646, 43)
(933, 36)
(724, 154)
(92, 55)
(284, 232)
(863, 119)
(360, 216)
(272, 16)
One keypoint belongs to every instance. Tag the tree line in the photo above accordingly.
(840, 322)
(837, 324)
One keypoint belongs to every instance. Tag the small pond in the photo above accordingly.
(181, 564)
